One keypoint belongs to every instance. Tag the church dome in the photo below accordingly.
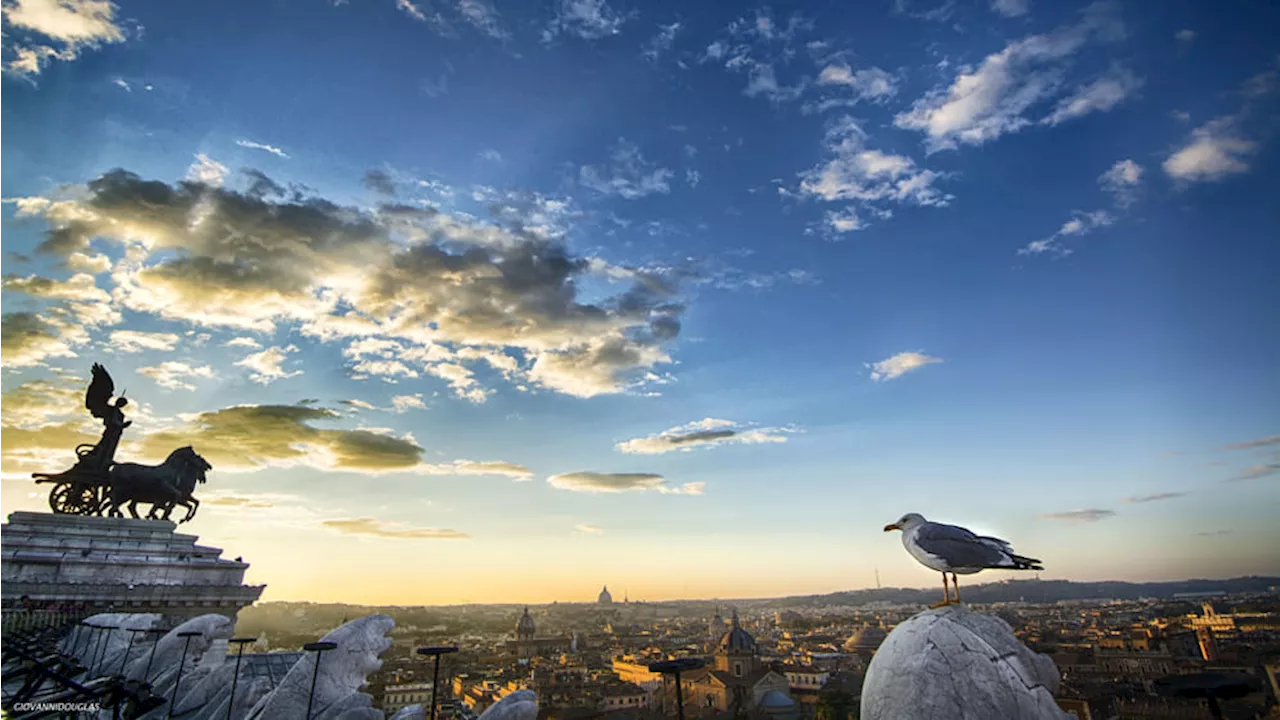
(605, 598)
(525, 625)
(776, 699)
(737, 639)
(868, 639)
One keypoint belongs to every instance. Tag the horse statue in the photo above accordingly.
(164, 486)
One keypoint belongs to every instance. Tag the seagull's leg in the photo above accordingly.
(955, 581)
(946, 594)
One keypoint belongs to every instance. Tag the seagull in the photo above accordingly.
(953, 549)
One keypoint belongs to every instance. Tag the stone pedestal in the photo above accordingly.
(120, 564)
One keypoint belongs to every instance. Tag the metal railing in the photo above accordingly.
(18, 620)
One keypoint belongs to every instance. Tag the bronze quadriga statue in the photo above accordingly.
(98, 485)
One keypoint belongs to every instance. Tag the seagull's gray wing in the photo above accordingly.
(959, 547)
(997, 543)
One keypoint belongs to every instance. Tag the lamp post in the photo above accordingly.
(436, 652)
(81, 633)
(319, 648)
(133, 634)
(675, 667)
(241, 642)
(186, 635)
(103, 644)
(146, 674)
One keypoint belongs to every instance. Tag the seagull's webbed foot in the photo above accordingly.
(944, 603)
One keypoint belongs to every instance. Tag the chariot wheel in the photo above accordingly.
(74, 499)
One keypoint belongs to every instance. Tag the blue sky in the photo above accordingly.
(691, 301)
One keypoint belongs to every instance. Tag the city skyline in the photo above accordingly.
(479, 302)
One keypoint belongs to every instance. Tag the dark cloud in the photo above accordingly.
(260, 256)
(709, 432)
(1254, 472)
(380, 182)
(1153, 498)
(1079, 516)
(1253, 444)
(26, 339)
(249, 437)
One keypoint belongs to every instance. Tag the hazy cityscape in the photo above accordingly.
(591, 659)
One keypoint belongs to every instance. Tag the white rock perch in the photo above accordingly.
(954, 664)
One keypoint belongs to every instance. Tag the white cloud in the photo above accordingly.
(500, 468)
(587, 19)
(95, 264)
(490, 155)
(597, 482)
(81, 286)
(461, 380)
(1122, 181)
(263, 146)
(762, 81)
(585, 529)
(173, 374)
(411, 10)
(1185, 36)
(438, 87)
(67, 25)
(661, 42)
(243, 342)
(483, 17)
(1011, 8)
(267, 366)
(867, 179)
(136, 341)
(207, 170)
(1098, 96)
(1215, 150)
(405, 403)
(627, 174)
(706, 433)
(899, 365)
(985, 102)
(372, 527)
(1081, 223)
(872, 84)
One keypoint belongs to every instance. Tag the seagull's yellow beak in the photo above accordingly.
(894, 526)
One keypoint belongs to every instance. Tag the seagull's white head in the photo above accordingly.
(906, 522)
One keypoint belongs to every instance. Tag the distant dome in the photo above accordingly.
(776, 699)
(525, 625)
(959, 664)
(788, 617)
(605, 598)
(868, 639)
(737, 639)
(715, 628)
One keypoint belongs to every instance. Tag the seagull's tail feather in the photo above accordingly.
(1025, 563)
